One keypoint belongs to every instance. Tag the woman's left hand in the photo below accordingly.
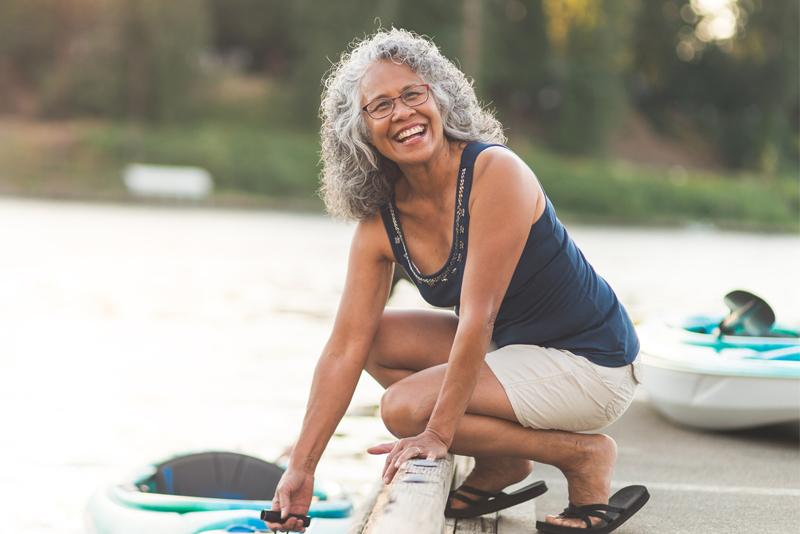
(427, 445)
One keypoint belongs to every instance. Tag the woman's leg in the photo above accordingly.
(410, 341)
(409, 356)
(586, 460)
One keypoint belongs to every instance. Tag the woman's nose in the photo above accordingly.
(401, 111)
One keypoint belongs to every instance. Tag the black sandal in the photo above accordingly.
(621, 506)
(490, 502)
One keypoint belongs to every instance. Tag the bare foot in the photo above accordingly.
(493, 474)
(589, 476)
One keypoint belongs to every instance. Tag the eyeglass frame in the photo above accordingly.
(427, 95)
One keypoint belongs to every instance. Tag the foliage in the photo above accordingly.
(86, 160)
(121, 58)
(254, 160)
(619, 192)
(561, 71)
(745, 100)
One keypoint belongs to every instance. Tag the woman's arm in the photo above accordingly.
(365, 293)
(506, 199)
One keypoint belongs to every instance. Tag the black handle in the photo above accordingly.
(274, 516)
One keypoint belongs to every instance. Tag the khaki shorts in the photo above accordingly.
(554, 389)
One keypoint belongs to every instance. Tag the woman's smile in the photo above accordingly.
(410, 134)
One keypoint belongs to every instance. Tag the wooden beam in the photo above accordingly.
(414, 502)
(519, 519)
(365, 509)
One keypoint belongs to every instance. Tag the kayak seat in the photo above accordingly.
(217, 475)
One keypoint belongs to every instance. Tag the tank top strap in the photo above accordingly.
(392, 232)
(470, 154)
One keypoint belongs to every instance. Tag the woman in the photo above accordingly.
(539, 347)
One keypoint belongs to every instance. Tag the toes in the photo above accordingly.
(564, 522)
(555, 519)
(455, 504)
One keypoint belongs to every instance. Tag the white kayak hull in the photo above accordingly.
(696, 378)
(722, 402)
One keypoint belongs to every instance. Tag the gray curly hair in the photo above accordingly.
(357, 180)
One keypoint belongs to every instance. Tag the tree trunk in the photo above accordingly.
(472, 40)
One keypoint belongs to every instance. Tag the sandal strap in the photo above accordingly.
(463, 498)
(476, 491)
(590, 510)
(571, 512)
(597, 507)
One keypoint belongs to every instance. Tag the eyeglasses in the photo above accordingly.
(411, 97)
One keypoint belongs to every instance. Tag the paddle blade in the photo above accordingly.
(750, 315)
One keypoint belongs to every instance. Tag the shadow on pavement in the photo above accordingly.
(786, 433)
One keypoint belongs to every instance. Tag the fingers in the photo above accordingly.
(282, 503)
(383, 448)
(291, 525)
(390, 467)
(401, 452)
(292, 496)
(407, 454)
(287, 524)
(387, 467)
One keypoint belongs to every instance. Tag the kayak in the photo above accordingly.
(205, 492)
(698, 377)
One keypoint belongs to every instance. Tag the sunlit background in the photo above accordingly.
(635, 111)
(183, 308)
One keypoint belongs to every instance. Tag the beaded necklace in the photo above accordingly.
(458, 244)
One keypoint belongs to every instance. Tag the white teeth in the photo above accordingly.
(411, 131)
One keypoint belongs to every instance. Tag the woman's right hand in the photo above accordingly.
(293, 496)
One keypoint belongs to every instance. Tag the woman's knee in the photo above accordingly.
(403, 412)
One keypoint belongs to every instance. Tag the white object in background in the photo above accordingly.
(168, 181)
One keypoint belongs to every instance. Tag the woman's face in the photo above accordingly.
(386, 79)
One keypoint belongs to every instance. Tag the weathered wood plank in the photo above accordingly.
(486, 524)
(366, 508)
(519, 519)
(414, 503)
(415, 500)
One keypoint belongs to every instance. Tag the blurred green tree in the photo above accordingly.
(28, 34)
(740, 93)
(134, 59)
(562, 71)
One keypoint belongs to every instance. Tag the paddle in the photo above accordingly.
(749, 312)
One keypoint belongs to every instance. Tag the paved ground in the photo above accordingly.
(699, 482)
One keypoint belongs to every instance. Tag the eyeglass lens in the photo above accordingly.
(413, 96)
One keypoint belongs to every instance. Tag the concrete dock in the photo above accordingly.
(699, 482)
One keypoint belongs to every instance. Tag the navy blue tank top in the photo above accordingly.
(555, 298)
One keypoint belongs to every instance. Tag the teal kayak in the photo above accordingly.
(205, 492)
